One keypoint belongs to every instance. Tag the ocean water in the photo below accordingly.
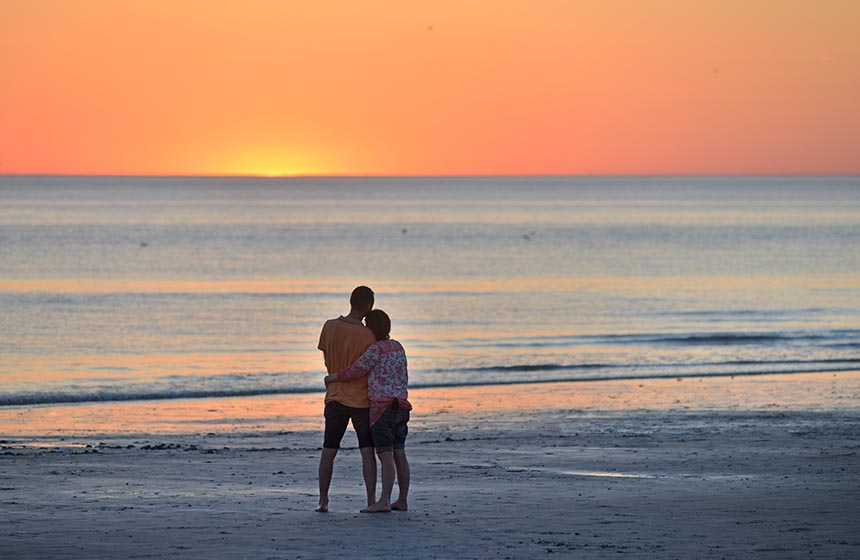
(137, 288)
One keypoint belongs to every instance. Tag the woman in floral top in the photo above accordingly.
(384, 362)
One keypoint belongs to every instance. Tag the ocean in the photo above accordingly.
(129, 288)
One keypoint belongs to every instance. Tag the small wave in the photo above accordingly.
(714, 338)
(59, 398)
(516, 368)
(828, 338)
(724, 313)
(633, 377)
(735, 338)
(786, 362)
(73, 398)
(531, 367)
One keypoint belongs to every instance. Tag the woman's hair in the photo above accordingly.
(379, 323)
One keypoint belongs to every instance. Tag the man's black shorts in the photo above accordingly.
(337, 417)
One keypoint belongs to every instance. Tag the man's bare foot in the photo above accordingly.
(399, 505)
(323, 507)
(378, 507)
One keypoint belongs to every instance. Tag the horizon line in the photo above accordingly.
(417, 175)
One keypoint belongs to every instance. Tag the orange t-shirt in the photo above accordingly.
(343, 342)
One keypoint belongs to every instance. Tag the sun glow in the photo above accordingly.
(287, 162)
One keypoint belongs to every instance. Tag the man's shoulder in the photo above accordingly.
(342, 326)
(326, 329)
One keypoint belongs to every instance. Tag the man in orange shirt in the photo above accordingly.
(343, 341)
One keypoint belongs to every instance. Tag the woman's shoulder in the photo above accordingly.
(389, 345)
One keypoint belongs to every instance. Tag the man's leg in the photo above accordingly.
(388, 468)
(402, 466)
(368, 470)
(361, 425)
(326, 469)
(336, 421)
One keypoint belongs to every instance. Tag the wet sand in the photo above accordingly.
(713, 468)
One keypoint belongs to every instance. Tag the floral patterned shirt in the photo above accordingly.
(384, 362)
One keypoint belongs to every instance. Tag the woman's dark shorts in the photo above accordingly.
(337, 417)
(389, 432)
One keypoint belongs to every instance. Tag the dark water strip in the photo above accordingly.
(827, 338)
(562, 367)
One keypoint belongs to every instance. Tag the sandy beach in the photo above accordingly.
(702, 468)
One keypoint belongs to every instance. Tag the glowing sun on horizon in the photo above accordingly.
(274, 173)
(272, 163)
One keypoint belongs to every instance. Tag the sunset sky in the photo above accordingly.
(274, 87)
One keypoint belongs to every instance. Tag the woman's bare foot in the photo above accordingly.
(399, 505)
(378, 507)
(323, 507)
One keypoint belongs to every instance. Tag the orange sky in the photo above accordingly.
(441, 87)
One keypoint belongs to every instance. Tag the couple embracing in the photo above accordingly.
(367, 385)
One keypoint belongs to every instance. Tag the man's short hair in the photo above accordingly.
(361, 297)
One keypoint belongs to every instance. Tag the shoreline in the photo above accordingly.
(86, 399)
(808, 391)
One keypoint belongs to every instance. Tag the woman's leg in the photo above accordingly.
(401, 429)
(388, 469)
(402, 466)
(381, 431)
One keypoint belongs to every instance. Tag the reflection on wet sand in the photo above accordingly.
(584, 473)
(502, 406)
